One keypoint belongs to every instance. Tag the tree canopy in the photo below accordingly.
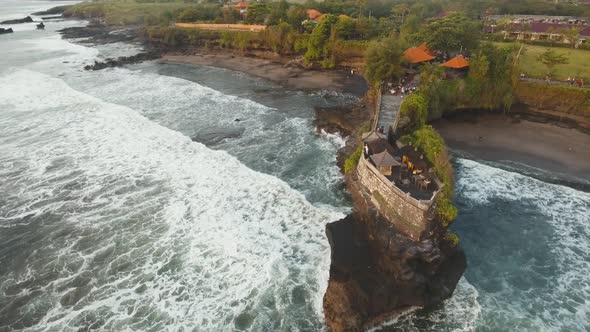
(550, 58)
(385, 59)
(451, 33)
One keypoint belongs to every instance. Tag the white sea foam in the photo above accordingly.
(550, 288)
(144, 228)
(460, 313)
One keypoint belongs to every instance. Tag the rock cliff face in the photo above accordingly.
(377, 272)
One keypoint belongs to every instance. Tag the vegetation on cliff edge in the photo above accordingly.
(353, 160)
(429, 140)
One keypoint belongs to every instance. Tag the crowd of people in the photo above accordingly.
(401, 89)
(573, 81)
(579, 82)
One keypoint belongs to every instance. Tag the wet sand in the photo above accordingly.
(290, 76)
(562, 151)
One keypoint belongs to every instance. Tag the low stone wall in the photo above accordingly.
(407, 214)
(206, 26)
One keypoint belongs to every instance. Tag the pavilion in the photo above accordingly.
(384, 162)
(418, 54)
(458, 62)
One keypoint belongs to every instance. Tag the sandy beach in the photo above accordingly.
(497, 137)
(287, 75)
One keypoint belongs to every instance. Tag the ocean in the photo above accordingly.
(174, 197)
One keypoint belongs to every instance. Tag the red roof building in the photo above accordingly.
(457, 62)
(242, 5)
(417, 55)
(313, 14)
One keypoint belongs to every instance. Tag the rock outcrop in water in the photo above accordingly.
(121, 61)
(27, 19)
(377, 272)
(3, 31)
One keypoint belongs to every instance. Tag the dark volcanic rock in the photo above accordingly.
(55, 17)
(124, 60)
(27, 19)
(214, 135)
(96, 33)
(3, 31)
(52, 11)
(377, 272)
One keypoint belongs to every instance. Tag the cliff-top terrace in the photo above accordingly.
(402, 165)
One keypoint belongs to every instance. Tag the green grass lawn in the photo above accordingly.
(578, 66)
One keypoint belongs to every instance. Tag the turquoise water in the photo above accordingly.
(133, 199)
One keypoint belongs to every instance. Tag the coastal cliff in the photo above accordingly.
(377, 272)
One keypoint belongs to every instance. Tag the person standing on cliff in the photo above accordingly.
(366, 149)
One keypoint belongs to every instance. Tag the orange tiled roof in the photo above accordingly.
(242, 4)
(424, 48)
(313, 14)
(456, 62)
(416, 55)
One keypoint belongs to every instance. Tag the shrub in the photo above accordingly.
(353, 160)
(415, 107)
(317, 46)
(385, 60)
(566, 99)
(428, 140)
(453, 238)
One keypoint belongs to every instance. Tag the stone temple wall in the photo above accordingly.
(407, 214)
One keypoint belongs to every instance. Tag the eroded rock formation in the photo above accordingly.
(121, 61)
(377, 272)
(27, 19)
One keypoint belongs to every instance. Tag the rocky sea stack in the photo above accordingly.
(377, 272)
(27, 19)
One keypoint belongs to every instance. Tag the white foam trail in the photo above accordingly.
(144, 228)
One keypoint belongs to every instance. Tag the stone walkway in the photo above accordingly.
(389, 110)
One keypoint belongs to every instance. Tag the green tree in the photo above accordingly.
(478, 74)
(410, 28)
(451, 33)
(318, 44)
(415, 109)
(385, 60)
(440, 93)
(400, 11)
(295, 17)
(551, 59)
(345, 28)
(278, 12)
(257, 13)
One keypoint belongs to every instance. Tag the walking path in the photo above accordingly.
(390, 105)
(554, 82)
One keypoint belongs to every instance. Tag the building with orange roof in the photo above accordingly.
(424, 48)
(457, 62)
(313, 14)
(417, 55)
(242, 6)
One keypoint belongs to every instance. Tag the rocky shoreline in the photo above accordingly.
(376, 273)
